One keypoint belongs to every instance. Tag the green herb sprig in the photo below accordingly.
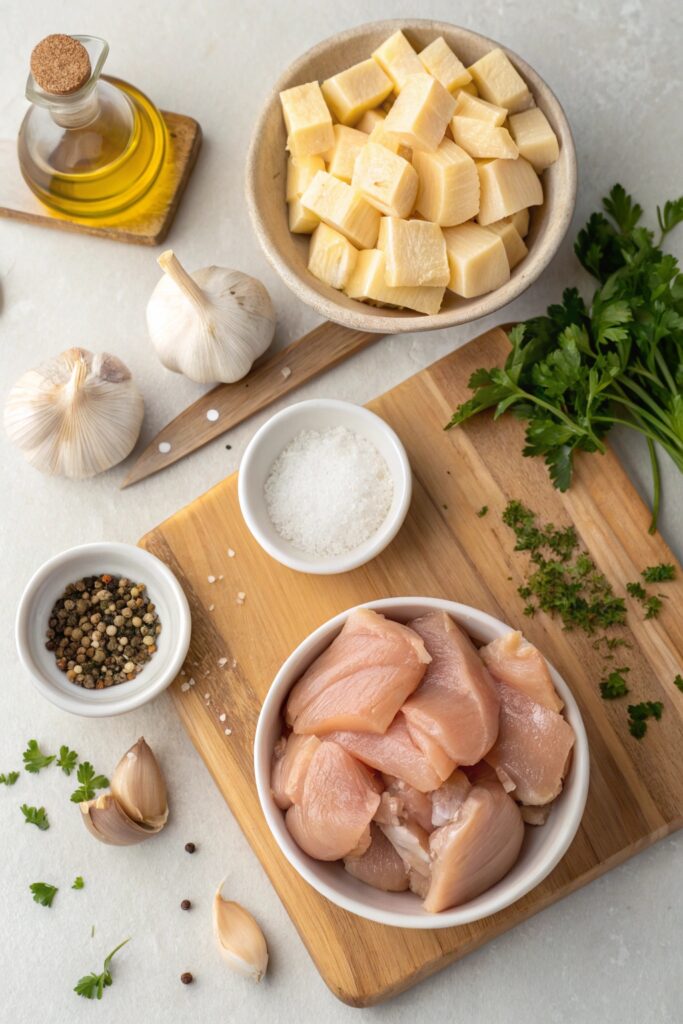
(638, 715)
(614, 685)
(89, 782)
(34, 759)
(36, 816)
(78, 882)
(43, 893)
(92, 986)
(67, 760)
(581, 369)
(662, 573)
(678, 681)
(9, 778)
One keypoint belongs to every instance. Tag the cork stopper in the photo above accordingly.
(60, 64)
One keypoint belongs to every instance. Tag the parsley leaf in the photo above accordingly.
(78, 882)
(659, 573)
(43, 893)
(614, 685)
(636, 590)
(639, 714)
(89, 783)
(482, 511)
(9, 779)
(91, 986)
(36, 816)
(580, 369)
(67, 759)
(35, 759)
(678, 681)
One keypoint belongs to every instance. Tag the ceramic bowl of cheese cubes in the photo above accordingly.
(410, 175)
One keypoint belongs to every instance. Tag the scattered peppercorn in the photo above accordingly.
(186, 978)
(190, 847)
(185, 904)
(102, 631)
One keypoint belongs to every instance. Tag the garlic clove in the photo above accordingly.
(75, 415)
(108, 822)
(210, 325)
(240, 940)
(139, 788)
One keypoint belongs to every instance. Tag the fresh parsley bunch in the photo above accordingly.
(577, 371)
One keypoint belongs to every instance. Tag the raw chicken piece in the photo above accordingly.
(361, 680)
(532, 749)
(476, 850)
(394, 752)
(411, 844)
(535, 815)
(390, 810)
(417, 883)
(380, 865)
(456, 704)
(412, 805)
(449, 798)
(514, 661)
(291, 758)
(338, 801)
(442, 764)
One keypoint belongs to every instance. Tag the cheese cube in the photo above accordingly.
(341, 207)
(348, 143)
(308, 121)
(448, 192)
(477, 260)
(331, 257)
(382, 137)
(300, 173)
(386, 180)
(506, 187)
(482, 140)
(370, 120)
(499, 82)
(519, 221)
(470, 89)
(350, 93)
(368, 282)
(535, 138)
(421, 113)
(440, 61)
(414, 253)
(301, 221)
(473, 106)
(398, 59)
(515, 249)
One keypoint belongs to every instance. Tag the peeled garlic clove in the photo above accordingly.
(240, 940)
(108, 822)
(75, 415)
(139, 788)
(210, 325)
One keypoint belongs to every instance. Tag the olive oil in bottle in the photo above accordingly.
(90, 147)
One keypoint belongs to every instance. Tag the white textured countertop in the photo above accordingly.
(611, 952)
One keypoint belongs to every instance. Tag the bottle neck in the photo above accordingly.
(75, 114)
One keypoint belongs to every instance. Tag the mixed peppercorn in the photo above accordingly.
(103, 630)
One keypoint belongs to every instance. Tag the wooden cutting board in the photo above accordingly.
(443, 550)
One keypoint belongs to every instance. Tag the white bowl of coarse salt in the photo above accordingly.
(324, 486)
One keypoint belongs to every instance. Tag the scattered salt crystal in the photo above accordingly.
(240, 597)
(206, 696)
(328, 491)
(221, 577)
(211, 579)
(183, 672)
(212, 607)
(222, 662)
(234, 662)
(184, 687)
(189, 684)
(231, 553)
(286, 372)
(228, 732)
(221, 718)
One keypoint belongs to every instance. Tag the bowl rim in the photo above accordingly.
(573, 811)
(370, 548)
(166, 670)
(534, 265)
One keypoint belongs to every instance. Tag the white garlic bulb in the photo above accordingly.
(210, 325)
(76, 414)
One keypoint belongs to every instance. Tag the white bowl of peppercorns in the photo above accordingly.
(103, 628)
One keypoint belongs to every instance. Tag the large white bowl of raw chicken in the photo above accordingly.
(420, 763)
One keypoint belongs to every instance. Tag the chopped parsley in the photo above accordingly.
(661, 573)
(89, 782)
(43, 893)
(67, 759)
(638, 715)
(678, 681)
(482, 511)
(614, 685)
(92, 986)
(9, 779)
(36, 816)
(35, 759)
(78, 882)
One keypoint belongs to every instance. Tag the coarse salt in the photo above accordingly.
(231, 553)
(222, 717)
(211, 579)
(184, 687)
(328, 491)
(222, 662)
